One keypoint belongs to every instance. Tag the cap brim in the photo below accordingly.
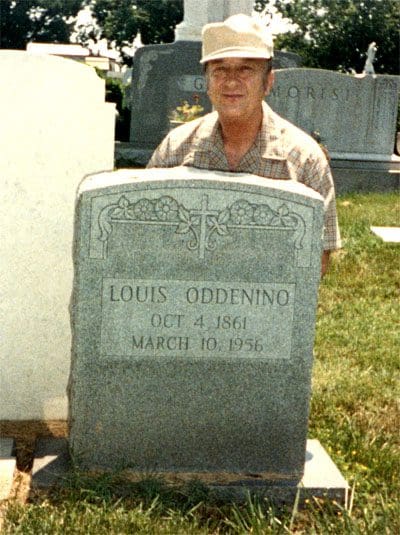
(238, 53)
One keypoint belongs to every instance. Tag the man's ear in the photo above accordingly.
(269, 82)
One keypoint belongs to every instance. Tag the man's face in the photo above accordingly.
(236, 86)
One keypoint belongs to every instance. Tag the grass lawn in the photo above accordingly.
(354, 413)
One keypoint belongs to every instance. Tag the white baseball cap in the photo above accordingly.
(239, 36)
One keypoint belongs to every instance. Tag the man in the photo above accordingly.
(244, 134)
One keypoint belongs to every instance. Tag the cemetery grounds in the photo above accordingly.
(354, 414)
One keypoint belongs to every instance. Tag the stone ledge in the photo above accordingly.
(387, 234)
(365, 157)
(321, 479)
(128, 155)
(363, 176)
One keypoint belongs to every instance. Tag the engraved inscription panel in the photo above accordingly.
(197, 319)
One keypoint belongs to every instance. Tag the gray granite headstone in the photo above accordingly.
(162, 77)
(354, 115)
(193, 317)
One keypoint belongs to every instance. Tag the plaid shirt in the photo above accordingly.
(280, 151)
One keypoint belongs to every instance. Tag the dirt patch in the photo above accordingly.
(28, 429)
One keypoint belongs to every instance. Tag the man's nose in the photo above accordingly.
(232, 75)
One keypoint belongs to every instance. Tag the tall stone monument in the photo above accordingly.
(193, 318)
(55, 128)
(197, 14)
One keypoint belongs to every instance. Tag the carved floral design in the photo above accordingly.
(144, 210)
(201, 224)
(263, 214)
(166, 209)
(241, 212)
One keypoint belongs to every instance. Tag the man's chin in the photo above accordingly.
(230, 110)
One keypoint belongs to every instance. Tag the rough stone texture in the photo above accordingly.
(7, 467)
(167, 376)
(355, 116)
(55, 129)
(6, 447)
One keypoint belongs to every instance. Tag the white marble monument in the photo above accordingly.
(55, 129)
(197, 14)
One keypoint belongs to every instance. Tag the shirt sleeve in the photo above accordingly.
(332, 238)
(159, 157)
(320, 179)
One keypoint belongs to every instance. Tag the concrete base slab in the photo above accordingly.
(387, 234)
(365, 176)
(51, 462)
(321, 478)
(7, 467)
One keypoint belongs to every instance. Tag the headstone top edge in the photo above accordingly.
(123, 177)
(327, 72)
(40, 58)
(166, 46)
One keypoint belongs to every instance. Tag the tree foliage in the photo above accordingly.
(335, 34)
(46, 21)
(122, 20)
(330, 34)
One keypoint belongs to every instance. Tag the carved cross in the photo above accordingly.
(203, 213)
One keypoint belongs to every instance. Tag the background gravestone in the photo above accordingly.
(163, 76)
(193, 317)
(355, 116)
(55, 129)
(286, 60)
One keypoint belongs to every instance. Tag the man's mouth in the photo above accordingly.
(232, 96)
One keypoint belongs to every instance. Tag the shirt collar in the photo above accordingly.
(268, 145)
(209, 145)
